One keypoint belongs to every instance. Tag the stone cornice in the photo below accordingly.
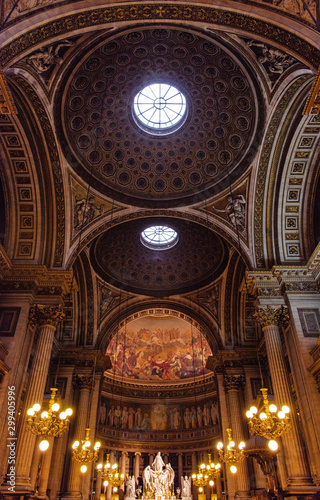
(84, 358)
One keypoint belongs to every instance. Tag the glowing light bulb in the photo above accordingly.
(220, 445)
(75, 445)
(273, 445)
(253, 409)
(63, 415)
(285, 409)
(208, 467)
(115, 489)
(97, 445)
(211, 483)
(55, 407)
(30, 412)
(233, 469)
(281, 414)
(200, 489)
(44, 414)
(107, 466)
(218, 466)
(249, 414)
(83, 469)
(202, 466)
(242, 445)
(69, 411)
(232, 444)
(44, 445)
(263, 416)
(87, 444)
(122, 476)
(36, 407)
(273, 408)
(99, 466)
(105, 483)
(193, 476)
(114, 466)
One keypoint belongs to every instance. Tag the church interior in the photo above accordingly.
(160, 249)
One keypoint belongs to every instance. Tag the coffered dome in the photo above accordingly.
(133, 159)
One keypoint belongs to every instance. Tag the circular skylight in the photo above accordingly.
(160, 108)
(159, 237)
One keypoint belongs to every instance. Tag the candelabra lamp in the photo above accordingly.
(48, 423)
(110, 473)
(268, 422)
(201, 479)
(231, 455)
(84, 453)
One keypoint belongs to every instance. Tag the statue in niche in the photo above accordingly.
(276, 60)
(111, 416)
(102, 413)
(176, 418)
(43, 59)
(138, 419)
(130, 487)
(186, 487)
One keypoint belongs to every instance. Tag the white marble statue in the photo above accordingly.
(130, 487)
(186, 487)
(156, 481)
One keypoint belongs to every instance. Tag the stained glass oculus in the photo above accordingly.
(159, 237)
(160, 108)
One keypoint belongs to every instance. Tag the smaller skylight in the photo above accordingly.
(159, 237)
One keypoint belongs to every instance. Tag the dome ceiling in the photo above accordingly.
(99, 134)
(121, 259)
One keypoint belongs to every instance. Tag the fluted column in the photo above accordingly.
(124, 455)
(136, 466)
(47, 317)
(217, 480)
(74, 481)
(37, 454)
(180, 466)
(45, 470)
(99, 479)
(232, 384)
(109, 487)
(270, 319)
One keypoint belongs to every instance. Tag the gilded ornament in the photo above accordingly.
(41, 315)
(272, 316)
(7, 106)
(233, 382)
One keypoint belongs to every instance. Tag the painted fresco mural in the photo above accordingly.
(159, 348)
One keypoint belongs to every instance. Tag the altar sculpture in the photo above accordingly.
(186, 488)
(158, 483)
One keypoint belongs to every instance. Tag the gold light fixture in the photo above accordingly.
(268, 422)
(110, 473)
(48, 423)
(231, 455)
(206, 474)
(84, 453)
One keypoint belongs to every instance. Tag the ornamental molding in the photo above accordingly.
(7, 106)
(84, 359)
(272, 316)
(312, 106)
(37, 278)
(44, 315)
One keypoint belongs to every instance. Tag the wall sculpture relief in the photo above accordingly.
(158, 416)
(161, 348)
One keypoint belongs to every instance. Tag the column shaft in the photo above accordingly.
(99, 479)
(180, 466)
(136, 466)
(45, 469)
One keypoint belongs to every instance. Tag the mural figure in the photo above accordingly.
(138, 419)
(193, 417)
(130, 418)
(111, 416)
(186, 418)
(145, 424)
(124, 418)
(117, 416)
(199, 416)
(102, 413)
(214, 413)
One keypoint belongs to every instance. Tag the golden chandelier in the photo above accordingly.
(267, 422)
(231, 455)
(49, 423)
(84, 453)
(110, 474)
(206, 474)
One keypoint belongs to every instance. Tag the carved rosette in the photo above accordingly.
(42, 315)
(272, 316)
(84, 382)
(233, 382)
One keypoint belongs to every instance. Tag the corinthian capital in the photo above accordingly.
(269, 316)
(84, 381)
(45, 315)
(233, 382)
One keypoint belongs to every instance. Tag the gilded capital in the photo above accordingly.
(272, 316)
(84, 381)
(41, 315)
(233, 382)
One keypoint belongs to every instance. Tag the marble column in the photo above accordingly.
(166, 458)
(99, 479)
(47, 318)
(109, 487)
(84, 383)
(270, 319)
(232, 384)
(45, 470)
(37, 454)
(151, 458)
(124, 455)
(136, 465)
(180, 467)
(218, 482)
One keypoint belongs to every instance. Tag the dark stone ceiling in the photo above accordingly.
(215, 144)
(119, 257)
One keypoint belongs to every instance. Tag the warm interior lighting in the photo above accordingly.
(83, 469)
(233, 469)
(273, 445)
(44, 445)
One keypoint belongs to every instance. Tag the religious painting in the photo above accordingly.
(159, 348)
